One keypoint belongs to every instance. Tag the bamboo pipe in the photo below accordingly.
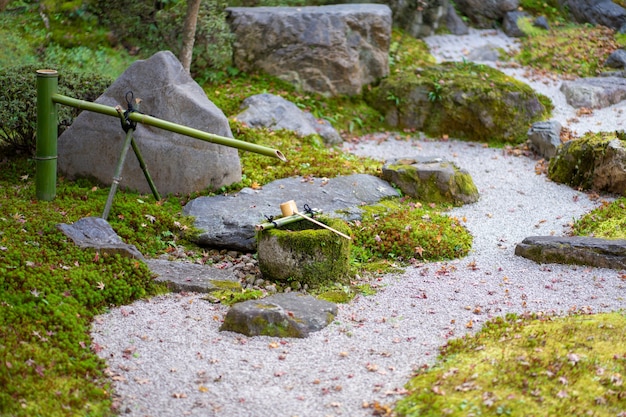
(282, 221)
(289, 208)
(172, 127)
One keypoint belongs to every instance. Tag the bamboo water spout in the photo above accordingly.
(46, 153)
(290, 208)
(172, 127)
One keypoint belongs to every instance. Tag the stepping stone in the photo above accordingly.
(97, 233)
(280, 315)
(186, 276)
(577, 250)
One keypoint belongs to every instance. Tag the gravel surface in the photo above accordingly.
(167, 357)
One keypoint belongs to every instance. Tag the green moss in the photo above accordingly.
(607, 221)
(266, 328)
(305, 156)
(527, 366)
(230, 296)
(525, 24)
(576, 160)
(227, 285)
(578, 50)
(465, 183)
(463, 100)
(403, 230)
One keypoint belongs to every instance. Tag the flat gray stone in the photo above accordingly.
(97, 233)
(594, 92)
(578, 250)
(280, 315)
(275, 113)
(228, 221)
(190, 277)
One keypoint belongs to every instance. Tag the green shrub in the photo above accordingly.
(149, 27)
(18, 102)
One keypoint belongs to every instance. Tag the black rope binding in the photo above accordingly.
(128, 124)
(308, 210)
(271, 220)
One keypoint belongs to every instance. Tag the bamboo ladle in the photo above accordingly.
(289, 208)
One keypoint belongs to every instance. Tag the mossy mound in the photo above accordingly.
(306, 253)
(595, 161)
(464, 100)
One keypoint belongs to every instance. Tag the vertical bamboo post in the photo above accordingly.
(46, 145)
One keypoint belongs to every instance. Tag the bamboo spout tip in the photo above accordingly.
(280, 156)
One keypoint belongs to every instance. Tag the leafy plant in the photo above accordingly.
(435, 94)
(18, 102)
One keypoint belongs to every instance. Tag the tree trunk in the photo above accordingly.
(189, 33)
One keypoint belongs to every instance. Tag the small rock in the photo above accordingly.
(280, 315)
(431, 179)
(541, 22)
(275, 113)
(545, 138)
(594, 92)
(617, 59)
(97, 233)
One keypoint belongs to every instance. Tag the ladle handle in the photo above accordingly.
(323, 225)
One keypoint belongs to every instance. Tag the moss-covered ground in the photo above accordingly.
(527, 366)
(50, 290)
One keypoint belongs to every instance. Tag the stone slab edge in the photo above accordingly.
(577, 250)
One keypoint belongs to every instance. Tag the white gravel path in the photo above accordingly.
(167, 357)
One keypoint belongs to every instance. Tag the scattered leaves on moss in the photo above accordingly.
(527, 366)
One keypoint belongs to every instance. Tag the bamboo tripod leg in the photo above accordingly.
(144, 168)
(118, 173)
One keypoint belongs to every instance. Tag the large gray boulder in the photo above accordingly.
(280, 315)
(577, 250)
(486, 13)
(228, 221)
(594, 92)
(275, 113)
(331, 50)
(178, 164)
(597, 12)
(426, 19)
